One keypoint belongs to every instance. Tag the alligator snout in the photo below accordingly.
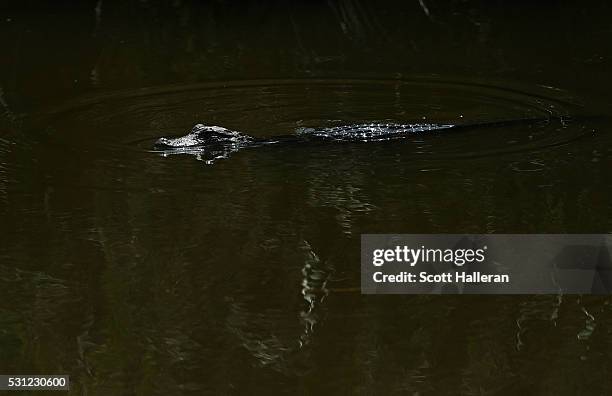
(162, 144)
(184, 142)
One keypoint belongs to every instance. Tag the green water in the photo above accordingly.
(138, 274)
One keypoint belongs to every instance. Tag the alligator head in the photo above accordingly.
(207, 142)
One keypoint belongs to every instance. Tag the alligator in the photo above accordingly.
(215, 142)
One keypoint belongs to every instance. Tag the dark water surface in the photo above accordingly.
(138, 274)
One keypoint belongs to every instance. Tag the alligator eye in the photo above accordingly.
(198, 128)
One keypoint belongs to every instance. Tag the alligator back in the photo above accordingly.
(369, 132)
